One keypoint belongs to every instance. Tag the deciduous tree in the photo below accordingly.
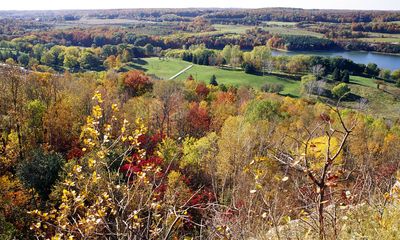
(135, 82)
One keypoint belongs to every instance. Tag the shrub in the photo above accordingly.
(340, 90)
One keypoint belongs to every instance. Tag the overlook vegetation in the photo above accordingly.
(96, 141)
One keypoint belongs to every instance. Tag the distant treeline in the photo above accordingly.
(254, 16)
(226, 16)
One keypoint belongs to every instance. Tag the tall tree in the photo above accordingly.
(336, 74)
(70, 61)
(213, 80)
(135, 82)
(227, 53)
(346, 77)
(48, 59)
(13, 82)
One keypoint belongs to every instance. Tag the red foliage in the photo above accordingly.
(385, 171)
(226, 97)
(74, 153)
(149, 144)
(136, 82)
(202, 90)
(190, 79)
(197, 120)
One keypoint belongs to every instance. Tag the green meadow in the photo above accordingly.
(169, 67)
(381, 101)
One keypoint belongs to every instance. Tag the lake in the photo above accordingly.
(382, 60)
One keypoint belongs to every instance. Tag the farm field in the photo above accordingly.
(232, 28)
(292, 31)
(280, 24)
(96, 21)
(379, 39)
(273, 30)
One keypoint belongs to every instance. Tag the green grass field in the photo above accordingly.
(280, 24)
(386, 37)
(167, 68)
(381, 102)
(292, 31)
(232, 28)
(378, 39)
(362, 81)
(62, 27)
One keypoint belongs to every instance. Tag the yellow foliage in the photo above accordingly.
(318, 151)
(177, 191)
(320, 108)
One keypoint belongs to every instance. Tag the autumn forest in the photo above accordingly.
(97, 143)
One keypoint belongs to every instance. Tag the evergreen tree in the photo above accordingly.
(398, 83)
(336, 74)
(205, 60)
(213, 80)
(345, 77)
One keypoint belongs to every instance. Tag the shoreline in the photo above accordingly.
(330, 51)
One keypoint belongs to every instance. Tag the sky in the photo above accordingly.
(104, 4)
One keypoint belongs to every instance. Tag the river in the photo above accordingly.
(382, 60)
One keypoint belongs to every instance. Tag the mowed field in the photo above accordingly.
(280, 24)
(273, 30)
(95, 21)
(380, 101)
(377, 37)
(169, 67)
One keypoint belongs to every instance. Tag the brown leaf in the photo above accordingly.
(331, 184)
(332, 178)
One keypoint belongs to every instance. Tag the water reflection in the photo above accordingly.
(382, 60)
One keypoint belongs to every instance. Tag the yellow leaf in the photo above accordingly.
(253, 191)
(101, 213)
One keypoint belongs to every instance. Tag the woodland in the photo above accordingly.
(94, 147)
